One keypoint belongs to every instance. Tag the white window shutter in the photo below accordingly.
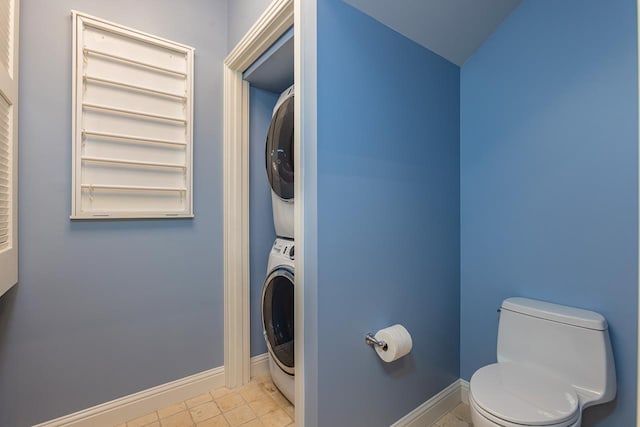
(9, 11)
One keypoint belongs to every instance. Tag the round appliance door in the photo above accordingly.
(279, 151)
(277, 317)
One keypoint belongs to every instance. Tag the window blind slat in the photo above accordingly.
(6, 34)
(5, 168)
(4, 121)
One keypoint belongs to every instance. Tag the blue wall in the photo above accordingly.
(105, 309)
(262, 233)
(388, 217)
(549, 173)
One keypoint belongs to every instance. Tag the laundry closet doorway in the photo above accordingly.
(270, 28)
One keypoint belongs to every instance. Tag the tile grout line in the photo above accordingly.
(266, 390)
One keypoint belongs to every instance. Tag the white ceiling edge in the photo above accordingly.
(453, 29)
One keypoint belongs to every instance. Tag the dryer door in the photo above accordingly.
(277, 317)
(279, 151)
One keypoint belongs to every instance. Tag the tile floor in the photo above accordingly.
(258, 404)
(459, 417)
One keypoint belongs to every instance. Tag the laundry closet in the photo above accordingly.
(271, 202)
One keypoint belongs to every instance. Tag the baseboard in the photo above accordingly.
(464, 391)
(146, 401)
(431, 410)
(259, 365)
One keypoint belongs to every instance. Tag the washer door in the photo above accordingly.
(279, 151)
(277, 317)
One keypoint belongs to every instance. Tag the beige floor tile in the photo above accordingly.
(263, 406)
(220, 392)
(253, 423)
(290, 410)
(181, 419)
(219, 421)
(199, 400)
(269, 387)
(462, 412)
(143, 420)
(451, 420)
(280, 399)
(173, 409)
(262, 378)
(122, 425)
(254, 381)
(276, 418)
(252, 392)
(239, 415)
(204, 411)
(230, 401)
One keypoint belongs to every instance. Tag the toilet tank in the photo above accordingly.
(570, 343)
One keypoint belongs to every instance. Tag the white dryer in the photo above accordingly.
(277, 316)
(279, 163)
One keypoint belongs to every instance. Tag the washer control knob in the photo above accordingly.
(291, 252)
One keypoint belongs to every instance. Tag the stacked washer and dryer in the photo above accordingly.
(278, 288)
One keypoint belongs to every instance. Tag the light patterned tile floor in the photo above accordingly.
(459, 417)
(258, 404)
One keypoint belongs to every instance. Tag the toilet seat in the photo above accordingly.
(511, 395)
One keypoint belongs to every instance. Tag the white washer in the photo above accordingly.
(279, 163)
(278, 315)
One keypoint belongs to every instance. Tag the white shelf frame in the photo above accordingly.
(128, 112)
(129, 60)
(132, 138)
(79, 79)
(138, 88)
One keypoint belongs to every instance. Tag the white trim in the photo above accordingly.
(305, 212)
(274, 22)
(9, 88)
(141, 403)
(146, 401)
(464, 391)
(259, 365)
(431, 410)
(81, 21)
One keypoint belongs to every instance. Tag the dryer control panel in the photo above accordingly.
(284, 247)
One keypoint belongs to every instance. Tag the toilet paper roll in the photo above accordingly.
(398, 341)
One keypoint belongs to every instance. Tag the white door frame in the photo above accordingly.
(273, 23)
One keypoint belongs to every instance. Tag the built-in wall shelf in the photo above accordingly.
(273, 71)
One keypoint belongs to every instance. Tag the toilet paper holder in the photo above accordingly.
(371, 340)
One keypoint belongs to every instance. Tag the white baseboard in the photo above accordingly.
(259, 365)
(146, 401)
(431, 410)
(464, 391)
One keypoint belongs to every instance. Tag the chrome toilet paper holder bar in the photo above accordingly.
(373, 342)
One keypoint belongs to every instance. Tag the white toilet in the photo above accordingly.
(553, 362)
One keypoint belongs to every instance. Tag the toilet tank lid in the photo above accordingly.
(556, 313)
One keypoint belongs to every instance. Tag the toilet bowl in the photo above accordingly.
(553, 362)
(508, 395)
